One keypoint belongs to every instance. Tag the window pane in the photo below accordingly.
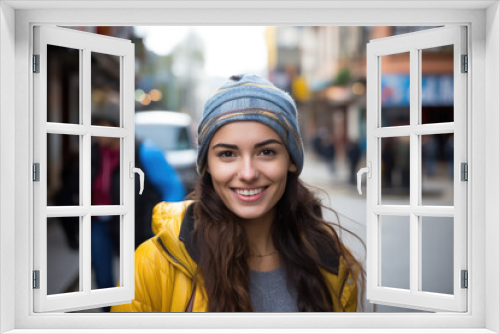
(437, 169)
(63, 170)
(63, 256)
(105, 251)
(63, 85)
(395, 178)
(437, 84)
(395, 89)
(437, 254)
(395, 251)
(105, 89)
(106, 183)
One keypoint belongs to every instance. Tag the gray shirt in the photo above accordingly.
(269, 291)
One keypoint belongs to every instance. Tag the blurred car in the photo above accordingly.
(170, 130)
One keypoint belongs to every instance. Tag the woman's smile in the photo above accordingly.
(249, 195)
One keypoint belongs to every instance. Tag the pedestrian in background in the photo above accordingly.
(353, 153)
(324, 146)
(252, 237)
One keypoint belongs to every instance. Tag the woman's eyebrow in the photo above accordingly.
(235, 147)
(267, 142)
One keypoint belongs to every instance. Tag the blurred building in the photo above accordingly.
(324, 68)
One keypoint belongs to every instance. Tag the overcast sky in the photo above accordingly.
(228, 50)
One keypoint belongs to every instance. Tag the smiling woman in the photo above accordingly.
(253, 237)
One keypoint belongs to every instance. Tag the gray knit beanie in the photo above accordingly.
(251, 98)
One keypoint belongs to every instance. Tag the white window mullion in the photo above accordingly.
(434, 128)
(85, 167)
(86, 265)
(373, 190)
(460, 156)
(434, 211)
(79, 130)
(67, 129)
(415, 167)
(128, 123)
(82, 235)
(419, 129)
(109, 131)
(377, 263)
(40, 157)
(76, 211)
(395, 210)
(123, 173)
(405, 210)
(392, 131)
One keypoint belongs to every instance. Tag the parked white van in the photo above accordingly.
(170, 130)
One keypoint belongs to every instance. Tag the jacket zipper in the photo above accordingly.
(172, 257)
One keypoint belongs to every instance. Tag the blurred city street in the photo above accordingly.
(324, 69)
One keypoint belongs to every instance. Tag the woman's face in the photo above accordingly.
(248, 164)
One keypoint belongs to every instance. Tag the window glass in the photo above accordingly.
(437, 85)
(105, 251)
(105, 91)
(106, 166)
(395, 251)
(63, 259)
(395, 89)
(395, 170)
(437, 169)
(63, 170)
(437, 254)
(63, 85)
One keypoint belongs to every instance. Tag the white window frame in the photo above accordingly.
(483, 21)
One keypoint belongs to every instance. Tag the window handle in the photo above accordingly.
(141, 175)
(367, 170)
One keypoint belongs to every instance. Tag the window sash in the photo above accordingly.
(86, 43)
(412, 43)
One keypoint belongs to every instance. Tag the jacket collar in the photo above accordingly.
(187, 228)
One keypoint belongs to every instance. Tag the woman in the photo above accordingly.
(252, 238)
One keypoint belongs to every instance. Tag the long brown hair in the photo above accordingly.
(299, 232)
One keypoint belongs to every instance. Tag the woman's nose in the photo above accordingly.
(248, 172)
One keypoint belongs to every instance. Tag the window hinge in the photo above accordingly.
(465, 279)
(464, 171)
(465, 64)
(36, 279)
(36, 172)
(36, 63)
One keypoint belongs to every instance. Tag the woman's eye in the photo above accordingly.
(226, 154)
(268, 152)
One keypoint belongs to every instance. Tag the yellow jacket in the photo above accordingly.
(164, 268)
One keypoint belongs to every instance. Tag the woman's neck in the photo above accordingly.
(263, 254)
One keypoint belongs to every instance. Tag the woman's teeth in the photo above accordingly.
(250, 192)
